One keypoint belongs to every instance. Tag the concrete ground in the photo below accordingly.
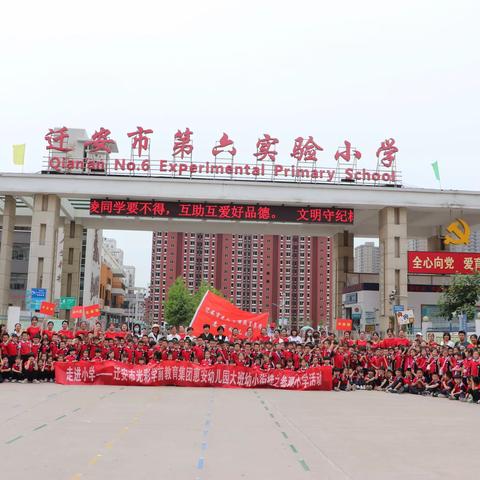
(54, 432)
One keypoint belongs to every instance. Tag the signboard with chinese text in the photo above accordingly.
(66, 303)
(221, 211)
(447, 263)
(189, 374)
(301, 165)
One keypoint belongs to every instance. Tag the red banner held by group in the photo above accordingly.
(189, 374)
(216, 311)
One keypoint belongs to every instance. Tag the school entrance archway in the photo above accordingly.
(48, 203)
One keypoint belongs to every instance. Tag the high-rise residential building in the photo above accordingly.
(129, 276)
(367, 258)
(288, 276)
(417, 245)
(472, 247)
(112, 282)
(111, 245)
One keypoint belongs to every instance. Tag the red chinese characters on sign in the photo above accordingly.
(189, 374)
(235, 212)
(182, 143)
(305, 150)
(224, 145)
(386, 152)
(56, 139)
(266, 148)
(326, 215)
(140, 140)
(346, 153)
(128, 208)
(443, 262)
(226, 212)
(100, 141)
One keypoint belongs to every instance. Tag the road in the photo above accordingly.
(96, 432)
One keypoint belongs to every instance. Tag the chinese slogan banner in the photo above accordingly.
(216, 311)
(227, 211)
(188, 374)
(443, 262)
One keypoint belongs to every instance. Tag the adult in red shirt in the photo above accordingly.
(263, 337)
(83, 330)
(64, 331)
(362, 340)
(34, 329)
(389, 341)
(402, 340)
(111, 332)
(49, 332)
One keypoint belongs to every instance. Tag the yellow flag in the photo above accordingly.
(19, 154)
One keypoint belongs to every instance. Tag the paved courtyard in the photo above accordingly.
(96, 432)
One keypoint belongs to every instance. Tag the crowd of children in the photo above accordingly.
(393, 364)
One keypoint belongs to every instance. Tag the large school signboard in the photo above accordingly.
(307, 162)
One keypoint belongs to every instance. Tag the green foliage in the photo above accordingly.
(460, 296)
(181, 305)
(179, 308)
(201, 291)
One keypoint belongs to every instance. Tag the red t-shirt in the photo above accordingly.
(110, 334)
(32, 331)
(65, 333)
(402, 342)
(389, 342)
(12, 349)
(49, 333)
(25, 347)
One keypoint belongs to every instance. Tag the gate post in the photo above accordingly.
(393, 277)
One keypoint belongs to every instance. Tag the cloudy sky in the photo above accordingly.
(363, 71)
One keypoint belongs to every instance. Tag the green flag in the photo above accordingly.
(436, 170)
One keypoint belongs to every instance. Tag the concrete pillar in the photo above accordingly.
(393, 278)
(342, 264)
(71, 259)
(43, 243)
(8, 227)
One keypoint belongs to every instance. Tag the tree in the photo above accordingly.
(203, 288)
(461, 296)
(178, 307)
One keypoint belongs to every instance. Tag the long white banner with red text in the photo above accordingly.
(189, 374)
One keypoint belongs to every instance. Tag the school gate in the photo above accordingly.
(50, 204)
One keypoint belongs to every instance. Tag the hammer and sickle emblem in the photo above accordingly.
(460, 233)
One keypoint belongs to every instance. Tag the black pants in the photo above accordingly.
(475, 395)
(16, 376)
(31, 375)
(416, 390)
